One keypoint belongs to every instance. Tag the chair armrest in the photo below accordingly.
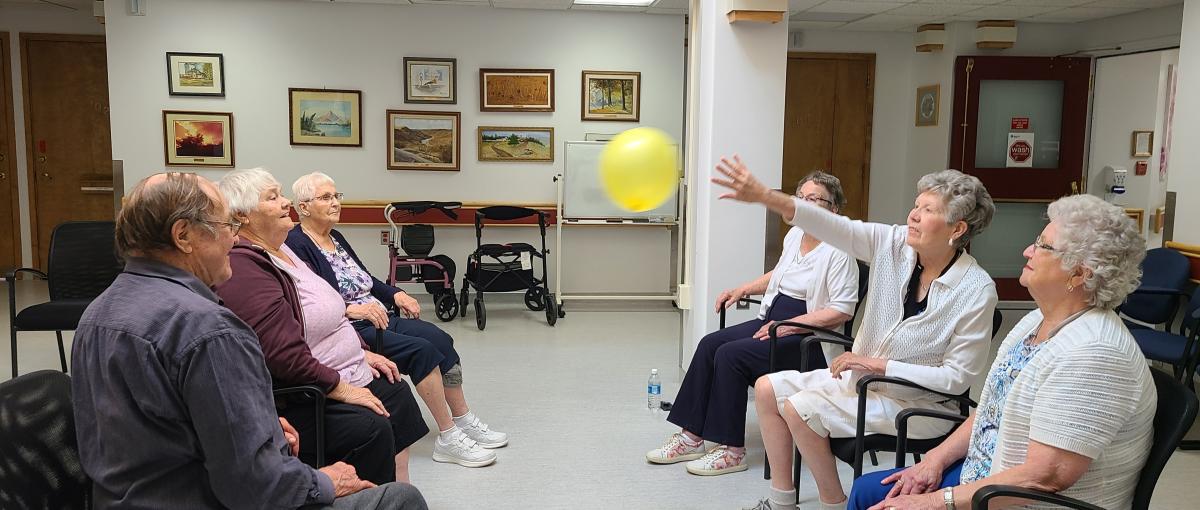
(316, 393)
(984, 495)
(876, 378)
(318, 396)
(902, 427)
(746, 300)
(12, 275)
(818, 334)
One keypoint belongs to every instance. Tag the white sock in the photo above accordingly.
(465, 419)
(445, 435)
(782, 497)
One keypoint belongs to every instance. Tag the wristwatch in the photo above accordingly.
(948, 497)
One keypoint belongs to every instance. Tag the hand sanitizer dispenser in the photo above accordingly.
(1114, 183)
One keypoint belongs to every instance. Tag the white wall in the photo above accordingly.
(34, 19)
(270, 46)
(1128, 96)
(1184, 165)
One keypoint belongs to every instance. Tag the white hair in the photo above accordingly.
(242, 188)
(1099, 236)
(306, 186)
(966, 199)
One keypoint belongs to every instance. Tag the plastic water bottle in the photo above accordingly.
(653, 390)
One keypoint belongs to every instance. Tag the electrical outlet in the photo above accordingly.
(385, 237)
(743, 305)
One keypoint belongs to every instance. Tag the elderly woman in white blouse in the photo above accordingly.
(928, 319)
(1069, 403)
(812, 283)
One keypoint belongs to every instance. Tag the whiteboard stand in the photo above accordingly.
(561, 222)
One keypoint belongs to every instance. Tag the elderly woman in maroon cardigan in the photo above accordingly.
(306, 339)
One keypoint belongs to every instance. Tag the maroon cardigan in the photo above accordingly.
(265, 298)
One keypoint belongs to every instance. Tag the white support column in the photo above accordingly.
(737, 80)
(1184, 164)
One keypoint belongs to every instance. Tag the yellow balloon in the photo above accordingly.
(639, 169)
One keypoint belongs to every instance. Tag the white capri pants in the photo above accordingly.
(830, 406)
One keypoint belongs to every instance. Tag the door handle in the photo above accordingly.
(48, 176)
(41, 159)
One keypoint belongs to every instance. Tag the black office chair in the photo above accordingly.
(41, 467)
(1180, 348)
(851, 450)
(82, 263)
(1176, 411)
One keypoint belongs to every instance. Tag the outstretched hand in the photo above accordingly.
(745, 187)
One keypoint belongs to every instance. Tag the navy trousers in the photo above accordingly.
(712, 399)
(416, 346)
(868, 491)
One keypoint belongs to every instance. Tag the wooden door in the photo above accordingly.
(827, 126)
(65, 81)
(10, 236)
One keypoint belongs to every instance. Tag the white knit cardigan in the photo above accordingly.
(944, 348)
(1088, 390)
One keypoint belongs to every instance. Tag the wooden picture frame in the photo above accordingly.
(928, 105)
(429, 80)
(611, 96)
(417, 140)
(498, 143)
(198, 138)
(1141, 144)
(195, 74)
(325, 117)
(516, 90)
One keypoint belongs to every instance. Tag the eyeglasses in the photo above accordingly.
(1039, 243)
(233, 226)
(816, 199)
(327, 197)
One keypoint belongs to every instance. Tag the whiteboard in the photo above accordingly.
(583, 197)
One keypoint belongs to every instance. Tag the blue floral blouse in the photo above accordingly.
(354, 284)
(978, 463)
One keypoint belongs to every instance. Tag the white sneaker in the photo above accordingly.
(461, 450)
(767, 504)
(479, 431)
(676, 450)
(717, 461)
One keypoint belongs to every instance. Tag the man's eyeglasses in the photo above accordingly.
(1039, 243)
(327, 197)
(817, 199)
(233, 226)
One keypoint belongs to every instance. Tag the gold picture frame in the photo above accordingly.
(1141, 144)
(611, 96)
(515, 143)
(424, 140)
(928, 105)
(516, 90)
(325, 117)
(198, 138)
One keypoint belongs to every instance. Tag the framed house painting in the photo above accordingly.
(611, 95)
(516, 90)
(195, 74)
(325, 117)
(198, 138)
(423, 140)
(516, 143)
(430, 80)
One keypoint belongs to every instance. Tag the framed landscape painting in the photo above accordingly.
(325, 117)
(430, 80)
(195, 74)
(516, 143)
(198, 138)
(516, 90)
(423, 140)
(611, 95)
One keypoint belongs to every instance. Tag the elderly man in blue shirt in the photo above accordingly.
(173, 402)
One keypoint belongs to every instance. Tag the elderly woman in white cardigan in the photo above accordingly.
(928, 319)
(1069, 403)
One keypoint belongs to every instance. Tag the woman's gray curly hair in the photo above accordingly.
(966, 199)
(1099, 236)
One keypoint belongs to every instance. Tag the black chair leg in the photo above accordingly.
(874, 458)
(13, 331)
(766, 467)
(916, 458)
(796, 471)
(62, 353)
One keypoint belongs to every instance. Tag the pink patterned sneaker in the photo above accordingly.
(676, 450)
(718, 461)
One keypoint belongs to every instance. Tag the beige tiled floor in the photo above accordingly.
(572, 398)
